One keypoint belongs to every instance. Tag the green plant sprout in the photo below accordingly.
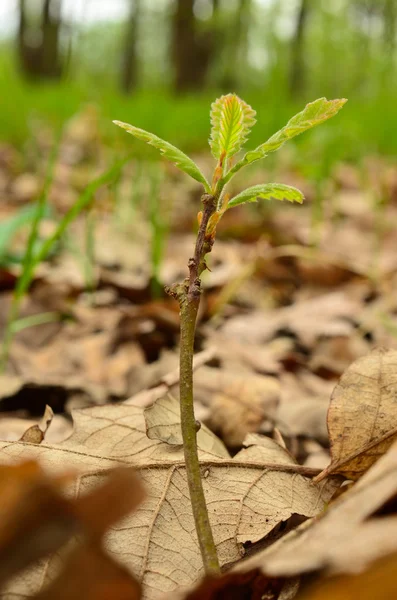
(231, 120)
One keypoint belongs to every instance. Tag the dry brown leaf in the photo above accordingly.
(12, 428)
(91, 574)
(246, 498)
(240, 586)
(334, 315)
(378, 582)
(238, 404)
(163, 422)
(88, 355)
(304, 404)
(36, 518)
(36, 433)
(346, 538)
(362, 417)
(334, 355)
(234, 354)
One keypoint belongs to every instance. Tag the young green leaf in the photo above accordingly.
(267, 191)
(169, 151)
(231, 120)
(313, 114)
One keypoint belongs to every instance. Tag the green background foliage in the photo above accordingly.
(160, 64)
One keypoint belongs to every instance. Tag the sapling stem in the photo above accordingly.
(231, 120)
(188, 295)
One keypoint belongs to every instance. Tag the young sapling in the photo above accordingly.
(231, 120)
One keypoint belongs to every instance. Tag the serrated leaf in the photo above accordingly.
(172, 153)
(267, 191)
(231, 120)
(313, 114)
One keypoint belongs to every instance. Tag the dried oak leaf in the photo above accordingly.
(247, 496)
(36, 518)
(238, 403)
(362, 417)
(91, 574)
(347, 538)
(163, 423)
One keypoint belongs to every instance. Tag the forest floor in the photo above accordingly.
(294, 295)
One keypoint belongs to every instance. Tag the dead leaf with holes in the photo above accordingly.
(247, 496)
(362, 417)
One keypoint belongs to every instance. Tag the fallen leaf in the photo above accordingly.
(13, 428)
(303, 406)
(34, 518)
(36, 433)
(379, 582)
(238, 404)
(346, 538)
(240, 586)
(234, 354)
(362, 417)
(247, 497)
(163, 422)
(91, 574)
(334, 355)
(335, 313)
(37, 518)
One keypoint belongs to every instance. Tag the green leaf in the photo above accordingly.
(231, 120)
(169, 151)
(267, 191)
(313, 114)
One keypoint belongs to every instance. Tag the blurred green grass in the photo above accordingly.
(365, 126)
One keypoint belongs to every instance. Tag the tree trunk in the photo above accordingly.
(297, 73)
(191, 51)
(51, 66)
(389, 25)
(129, 57)
(237, 52)
(44, 60)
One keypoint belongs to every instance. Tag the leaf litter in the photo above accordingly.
(247, 496)
(348, 538)
(276, 347)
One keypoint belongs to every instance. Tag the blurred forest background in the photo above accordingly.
(159, 63)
